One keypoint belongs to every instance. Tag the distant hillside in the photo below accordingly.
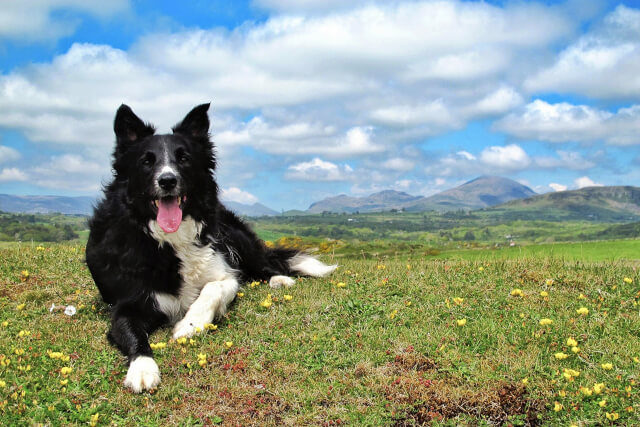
(257, 209)
(382, 201)
(601, 204)
(46, 204)
(479, 193)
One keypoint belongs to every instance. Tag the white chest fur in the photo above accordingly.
(199, 265)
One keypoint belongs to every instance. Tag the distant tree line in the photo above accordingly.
(39, 228)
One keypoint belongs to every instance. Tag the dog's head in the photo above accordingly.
(167, 175)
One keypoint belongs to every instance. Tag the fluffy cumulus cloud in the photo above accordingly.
(319, 170)
(41, 19)
(8, 154)
(12, 175)
(603, 63)
(564, 122)
(234, 194)
(557, 187)
(505, 158)
(585, 181)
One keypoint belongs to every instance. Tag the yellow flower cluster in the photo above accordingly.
(202, 359)
(158, 345)
(517, 293)
(267, 302)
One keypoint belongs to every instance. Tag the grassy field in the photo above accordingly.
(387, 340)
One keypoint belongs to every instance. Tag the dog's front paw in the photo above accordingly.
(187, 328)
(143, 374)
(280, 281)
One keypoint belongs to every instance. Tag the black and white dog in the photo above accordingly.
(163, 249)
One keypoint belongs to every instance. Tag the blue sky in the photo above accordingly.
(312, 98)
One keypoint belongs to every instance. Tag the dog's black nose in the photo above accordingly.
(167, 181)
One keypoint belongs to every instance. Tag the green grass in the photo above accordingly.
(383, 349)
(611, 250)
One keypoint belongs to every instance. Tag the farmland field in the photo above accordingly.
(396, 339)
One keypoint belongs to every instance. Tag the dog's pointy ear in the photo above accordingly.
(196, 123)
(128, 127)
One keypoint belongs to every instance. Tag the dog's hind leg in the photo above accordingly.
(212, 302)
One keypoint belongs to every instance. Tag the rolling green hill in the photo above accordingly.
(598, 204)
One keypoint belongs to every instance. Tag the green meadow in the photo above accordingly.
(536, 335)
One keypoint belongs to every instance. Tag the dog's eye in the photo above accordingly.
(183, 158)
(148, 160)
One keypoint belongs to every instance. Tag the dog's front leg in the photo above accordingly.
(212, 302)
(130, 329)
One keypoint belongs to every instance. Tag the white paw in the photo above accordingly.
(187, 328)
(143, 374)
(279, 281)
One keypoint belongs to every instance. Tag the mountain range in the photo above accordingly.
(478, 193)
(500, 197)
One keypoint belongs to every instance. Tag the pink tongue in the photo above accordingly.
(169, 215)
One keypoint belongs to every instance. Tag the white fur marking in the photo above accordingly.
(143, 374)
(213, 301)
(208, 283)
(279, 281)
(310, 266)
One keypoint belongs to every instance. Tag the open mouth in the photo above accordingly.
(169, 212)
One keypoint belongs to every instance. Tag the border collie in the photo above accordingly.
(162, 249)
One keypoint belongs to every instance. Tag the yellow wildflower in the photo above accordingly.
(546, 322)
(381, 266)
(20, 307)
(408, 266)
(602, 403)
(24, 333)
(583, 311)
(570, 374)
(228, 344)
(571, 342)
(561, 355)
(458, 300)
(612, 416)
(24, 274)
(525, 381)
(64, 382)
(19, 351)
(628, 280)
(66, 370)
(557, 407)
(392, 315)
(481, 269)
(267, 301)
(341, 285)
(5, 324)
(94, 420)
(254, 284)
(2, 384)
(544, 294)
(575, 349)
(586, 391)
(181, 340)
(461, 322)
(158, 345)
(210, 326)
(598, 388)
(240, 294)
(636, 359)
(517, 293)
(548, 282)
(288, 297)
(607, 366)
(40, 248)
(582, 296)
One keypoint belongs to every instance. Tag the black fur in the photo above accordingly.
(127, 264)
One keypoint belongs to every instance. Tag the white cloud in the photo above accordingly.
(605, 62)
(433, 113)
(8, 154)
(319, 170)
(558, 187)
(41, 19)
(564, 122)
(399, 164)
(585, 181)
(566, 159)
(12, 175)
(234, 194)
(509, 157)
